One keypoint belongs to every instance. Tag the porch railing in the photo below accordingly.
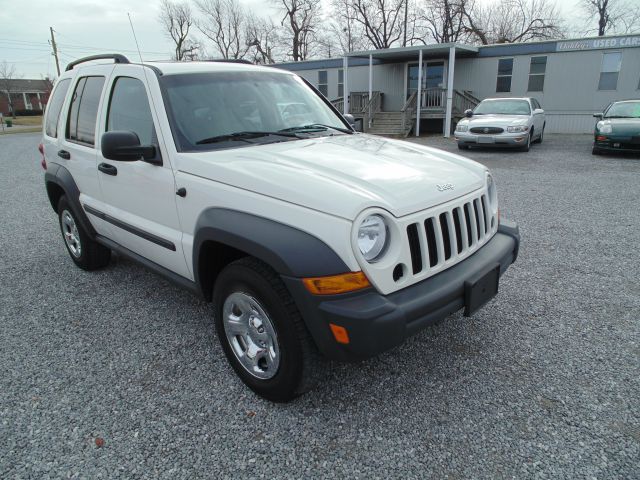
(409, 110)
(435, 97)
(464, 101)
(373, 106)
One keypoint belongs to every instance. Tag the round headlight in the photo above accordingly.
(372, 237)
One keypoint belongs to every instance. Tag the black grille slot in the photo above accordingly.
(431, 241)
(414, 248)
(458, 227)
(475, 209)
(486, 130)
(485, 213)
(444, 225)
(467, 216)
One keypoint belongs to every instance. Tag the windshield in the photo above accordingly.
(218, 109)
(623, 110)
(503, 107)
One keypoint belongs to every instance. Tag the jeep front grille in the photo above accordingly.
(451, 235)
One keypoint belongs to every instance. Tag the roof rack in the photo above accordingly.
(116, 57)
(230, 60)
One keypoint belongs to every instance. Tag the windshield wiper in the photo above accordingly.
(621, 116)
(243, 136)
(315, 126)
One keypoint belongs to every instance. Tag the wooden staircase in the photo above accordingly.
(388, 123)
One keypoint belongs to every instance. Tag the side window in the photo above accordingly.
(609, 71)
(322, 82)
(505, 70)
(129, 109)
(55, 107)
(83, 113)
(537, 70)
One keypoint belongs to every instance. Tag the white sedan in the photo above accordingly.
(502, 122)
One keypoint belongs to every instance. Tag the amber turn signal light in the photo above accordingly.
(339, 333)
(335, 284)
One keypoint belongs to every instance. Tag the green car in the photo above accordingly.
(618, 128)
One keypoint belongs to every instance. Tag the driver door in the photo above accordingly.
(139, 198)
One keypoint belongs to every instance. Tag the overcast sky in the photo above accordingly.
(86, 28)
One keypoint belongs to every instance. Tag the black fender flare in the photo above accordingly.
(60, 176)
(289, 251)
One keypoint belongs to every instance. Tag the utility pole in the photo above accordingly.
(406, 8)
(55, 51)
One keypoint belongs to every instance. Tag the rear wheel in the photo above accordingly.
(85, 253)
(596, 151)
(463, 147)
(262, 332)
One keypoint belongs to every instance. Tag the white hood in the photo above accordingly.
(342, 175)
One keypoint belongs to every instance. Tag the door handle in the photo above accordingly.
(108, 169)
(64, 154)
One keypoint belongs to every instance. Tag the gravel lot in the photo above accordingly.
(544, 382)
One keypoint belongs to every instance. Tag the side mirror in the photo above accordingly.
(598, 115)
(125, 147)
(468, 113)
(350, 118)
(538, 111)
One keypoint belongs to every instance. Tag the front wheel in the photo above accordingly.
(541, 137)
(262, 332)
(85, 253)
(463, 147)
(527, 145)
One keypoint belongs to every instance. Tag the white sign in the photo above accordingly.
(598, 43)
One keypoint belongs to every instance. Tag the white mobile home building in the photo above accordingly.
(572, 79)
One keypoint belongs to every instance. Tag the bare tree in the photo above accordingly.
(7, 83)
(511, 21)
(264, 39)
(612, 16)
(381, 20)
(344, 27)
(177, 20)
(300, 21)
(225, 24)
(444, 20)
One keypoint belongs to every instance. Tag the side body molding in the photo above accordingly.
(289, 251)
(59, 178)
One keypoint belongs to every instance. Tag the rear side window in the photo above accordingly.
(129, 110)
(83, 112)
(55, 107)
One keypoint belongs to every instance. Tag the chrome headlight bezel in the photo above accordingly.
(376, 225)
(462, 127)
(517, 128)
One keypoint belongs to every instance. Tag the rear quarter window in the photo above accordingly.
(55, 107)
(83, 111)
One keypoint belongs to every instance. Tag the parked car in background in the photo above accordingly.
(618, 128)
(502, 122)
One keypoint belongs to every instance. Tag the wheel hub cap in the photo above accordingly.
(71, 235)
(251, 335)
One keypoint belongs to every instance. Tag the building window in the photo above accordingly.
(323, 85)
(83, 112)
(341, 83)
(537, 69)
(505, 70)
(609, 71)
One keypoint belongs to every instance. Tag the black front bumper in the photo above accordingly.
(378, 322)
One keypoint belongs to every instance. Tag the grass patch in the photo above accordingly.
(24, 121)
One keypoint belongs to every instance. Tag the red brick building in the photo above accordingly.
(25, 94)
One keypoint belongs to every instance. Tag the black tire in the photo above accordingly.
(298, 356)
(596, 151)
(527, 146)
(541, 138)
(463, 147)
(91, 255)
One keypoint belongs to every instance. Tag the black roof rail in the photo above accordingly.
(116, 57)
(230, 60)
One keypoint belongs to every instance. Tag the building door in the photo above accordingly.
(433, 78)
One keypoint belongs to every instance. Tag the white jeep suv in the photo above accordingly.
(307, 236)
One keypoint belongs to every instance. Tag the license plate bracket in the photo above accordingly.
(480, 289)
(486, 140)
